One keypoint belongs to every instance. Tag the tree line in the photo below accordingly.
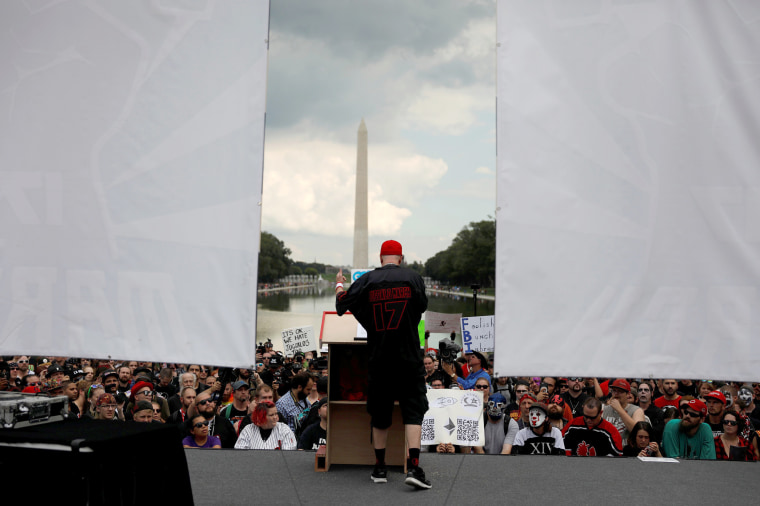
(471, 258)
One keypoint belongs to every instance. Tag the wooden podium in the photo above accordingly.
(348, 423)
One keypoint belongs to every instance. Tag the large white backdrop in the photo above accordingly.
(131, 152)
(629, 188)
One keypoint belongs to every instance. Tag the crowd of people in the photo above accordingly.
(282, 404)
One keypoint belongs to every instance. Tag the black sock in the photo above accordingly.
(380, 457)
(414, 457)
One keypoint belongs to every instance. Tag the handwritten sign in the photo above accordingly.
(299, 339)
(478, 333)
(454, 416)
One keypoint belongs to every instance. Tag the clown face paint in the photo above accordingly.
(745, 397)
(537, 417)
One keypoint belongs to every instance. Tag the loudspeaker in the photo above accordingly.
(94, 462)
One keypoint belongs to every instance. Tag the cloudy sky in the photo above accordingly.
(422, 76)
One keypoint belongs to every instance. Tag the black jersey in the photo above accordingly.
(388, 302)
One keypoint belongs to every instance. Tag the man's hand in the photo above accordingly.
(217, 386)
(542, 396)
(340, 278)
(615, 404)
(448, 368)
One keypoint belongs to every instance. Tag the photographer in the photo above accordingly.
(447, 366)
(477, 363)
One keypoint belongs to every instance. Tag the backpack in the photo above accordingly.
(304, 419)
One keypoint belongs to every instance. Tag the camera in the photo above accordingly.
(449, 350)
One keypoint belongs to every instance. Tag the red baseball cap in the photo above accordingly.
(391, 248)
(698, 406)
(717, 395)
(621, 384)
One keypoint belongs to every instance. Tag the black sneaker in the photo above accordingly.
(380, 474)
(416, 478)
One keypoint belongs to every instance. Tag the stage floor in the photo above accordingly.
(234, 477)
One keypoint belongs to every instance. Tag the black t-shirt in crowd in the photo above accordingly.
(312, 437)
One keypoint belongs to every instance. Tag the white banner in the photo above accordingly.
(130, 179)
(628, 188)
(454, 416)
(478, 333)
(299, 339)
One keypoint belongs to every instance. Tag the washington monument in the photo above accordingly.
(361, 236)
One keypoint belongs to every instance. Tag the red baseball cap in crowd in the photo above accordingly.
(698, 406)
(621, 384)
(717, 395)
(391, 248)
(31, 390)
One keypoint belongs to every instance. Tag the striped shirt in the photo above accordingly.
(281, 438)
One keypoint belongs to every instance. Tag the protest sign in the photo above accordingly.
(442, 322)
(298, 339)
(478, 333)
(454, 416)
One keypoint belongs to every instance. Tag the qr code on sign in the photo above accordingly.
(428, 429)
(467, 430)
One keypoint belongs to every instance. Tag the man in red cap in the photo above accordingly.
(618, 412)
(690, 437)
(716, 406)
(389, 302)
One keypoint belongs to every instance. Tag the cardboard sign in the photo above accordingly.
(442, 322)
(454, 416)
(478, 333)
(299, 339)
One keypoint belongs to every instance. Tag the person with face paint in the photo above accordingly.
(746, 401)
(652, 412)
(500, 429)
(540, 438)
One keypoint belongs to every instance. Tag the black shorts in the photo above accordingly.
(411, 394)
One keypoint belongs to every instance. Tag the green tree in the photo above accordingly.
(471, 257)
(311, 271)
(274, 258)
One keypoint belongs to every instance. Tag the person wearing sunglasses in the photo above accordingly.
(591, 435)
(575, 396)
(689, 437)
(730, 445)
(140, 391)
(219, 426)
(199, 434)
